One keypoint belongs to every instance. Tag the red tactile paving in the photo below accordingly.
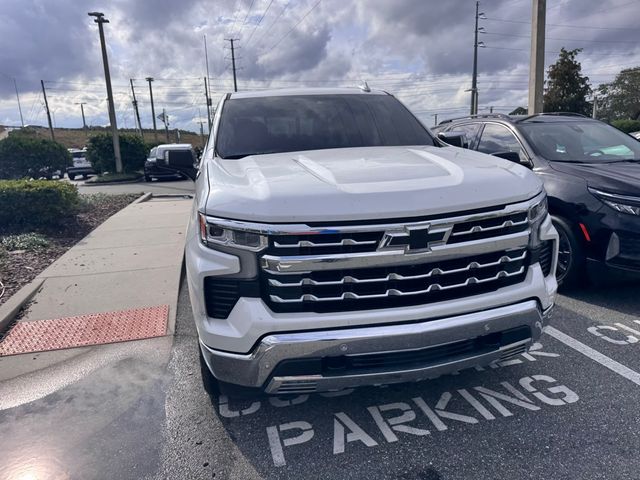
(84, 330)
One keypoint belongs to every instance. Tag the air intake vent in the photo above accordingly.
(546, 257)
(221, 295)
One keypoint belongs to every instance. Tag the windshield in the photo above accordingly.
(77, 154)
(580, 142)
(251, 126)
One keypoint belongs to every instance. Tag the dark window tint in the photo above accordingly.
(260, 125)
(78, 154)
(583, 141)
(497, 139)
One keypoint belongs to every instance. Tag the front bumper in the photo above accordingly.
(259, 368)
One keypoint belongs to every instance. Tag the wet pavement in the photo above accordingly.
(138, 410)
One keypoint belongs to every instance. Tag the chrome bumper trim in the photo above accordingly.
(255, 368)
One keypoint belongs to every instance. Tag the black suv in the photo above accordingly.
(591, 172)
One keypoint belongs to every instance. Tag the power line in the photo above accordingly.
(294, 27)
(258, 24)
(561, 39)
(582, 27)
(245, 18)
(284, 9)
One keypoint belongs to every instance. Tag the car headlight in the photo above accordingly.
(537, 214)
(620, 203)
(212, 235)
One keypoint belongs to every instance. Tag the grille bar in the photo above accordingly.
(394, 292)
(480, 228)
(396, 276)
(308, 243)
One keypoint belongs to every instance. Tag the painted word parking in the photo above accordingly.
(415, 417)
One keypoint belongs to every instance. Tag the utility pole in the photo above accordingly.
(46, 107)
(435, 119)
(15, 85)
(474, 77)
(594, 112)
(201, 126)
(206, 95)
(207, 84)
(153, 111)
(166, 123)
(84, 121)
(536, 65)
(233, 63)
(135, 107)
(100, 20)
(490, 109)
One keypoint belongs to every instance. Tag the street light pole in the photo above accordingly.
(100, 20)
(153, 111)
(474, 78)
(536, 65)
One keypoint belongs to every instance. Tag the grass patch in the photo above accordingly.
(114, 178)
(24, 241)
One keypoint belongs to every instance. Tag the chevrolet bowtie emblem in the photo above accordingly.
(414, 238)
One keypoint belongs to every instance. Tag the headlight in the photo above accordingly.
(212, 234)
(537, 214)
(620, 203)
(539, 211)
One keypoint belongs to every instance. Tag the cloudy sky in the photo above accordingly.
(420, 50)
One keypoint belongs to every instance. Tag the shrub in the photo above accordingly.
(627, 126)
(100, 153)
(23, 156)
(24, 241)
(36, 202)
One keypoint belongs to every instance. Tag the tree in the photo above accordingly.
(100, 153)
(519, 111)
(620, 99)
(567, 89)
(22, 156)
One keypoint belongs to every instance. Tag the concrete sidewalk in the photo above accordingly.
(132, 260)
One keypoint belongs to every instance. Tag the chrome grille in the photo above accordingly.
(392, 286)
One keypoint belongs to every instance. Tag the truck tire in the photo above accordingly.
(571, 259)
(147, 178)
(71, 176)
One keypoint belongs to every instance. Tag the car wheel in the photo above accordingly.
(85, 176)
(147, 178)
(570, 255)
(71, 176)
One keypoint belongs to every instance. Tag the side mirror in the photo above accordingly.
(512, 157)
(180, 161)
(455, 139)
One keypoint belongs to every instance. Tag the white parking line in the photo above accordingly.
(594, 355)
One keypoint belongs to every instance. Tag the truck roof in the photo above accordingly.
(306, 91)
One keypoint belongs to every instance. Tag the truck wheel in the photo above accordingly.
(571, 261)
(147, 178)
(71, 176)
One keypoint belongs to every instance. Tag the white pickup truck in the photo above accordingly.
(335, 242)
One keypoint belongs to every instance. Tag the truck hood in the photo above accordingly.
(363, 183)
(616, 177)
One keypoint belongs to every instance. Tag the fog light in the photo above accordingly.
(613, 249)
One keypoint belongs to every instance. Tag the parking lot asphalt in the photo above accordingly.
(566, 410)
